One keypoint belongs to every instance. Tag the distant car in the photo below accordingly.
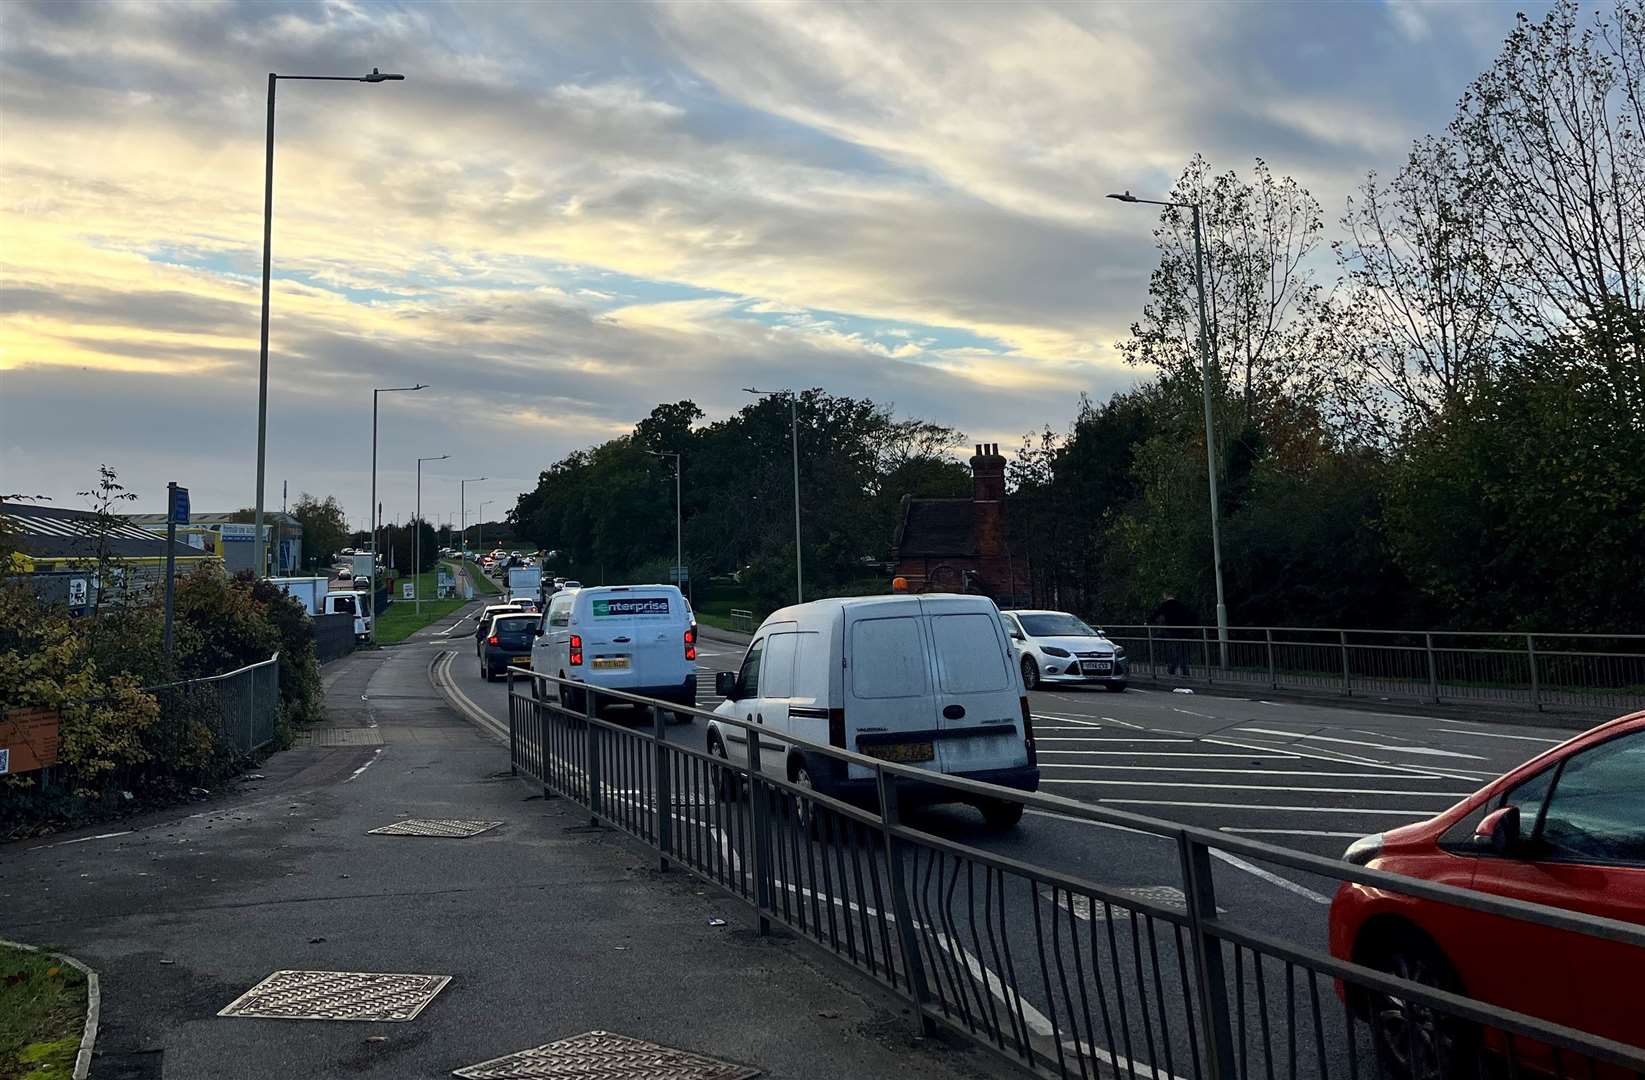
(1566, 829)
(482, 625)
(508, 643)
(1056, 647)
(345, 575)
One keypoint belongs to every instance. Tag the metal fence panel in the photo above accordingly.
(1059, 975)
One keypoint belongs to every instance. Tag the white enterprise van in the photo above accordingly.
(637, 638)
(929, 681)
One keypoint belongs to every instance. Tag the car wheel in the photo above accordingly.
(723, 780)
(807, 814)
(1001, 814)
(1415, 1041)
(1115, 687)
(1030, 673)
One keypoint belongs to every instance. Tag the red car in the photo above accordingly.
(1566, 829)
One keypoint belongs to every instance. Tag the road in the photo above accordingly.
(1310, 777)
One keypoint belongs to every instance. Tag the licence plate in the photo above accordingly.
(907, 753)
(611, 661)
(521, 661)
(1099, 667)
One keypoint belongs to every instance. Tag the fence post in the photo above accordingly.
(665, 815)
(913, 965)
(1153, 669)
(1433, 669)
(1342, 635)
(1273, 679)
(592, 736)
(513, 732)
(1536, 686)
(759, 805)
(1200, 888)
(1205, 652)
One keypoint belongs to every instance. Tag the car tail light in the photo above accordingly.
(576, 650)
(492, 640)
(691, 643)
(836, 728)
(1028, 733)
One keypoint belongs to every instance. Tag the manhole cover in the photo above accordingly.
(451, 827)
(343, 736)
(600, 1055)
(338, 995)
(1166, 896)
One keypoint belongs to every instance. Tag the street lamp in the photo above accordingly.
(371, 599)
(262, 353)
(480, 539)
(462, 514)
(417, 541)
(794, 422)
(1205, 386)
(679, 535)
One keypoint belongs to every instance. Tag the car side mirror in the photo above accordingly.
(1498, 831)
(725, 685)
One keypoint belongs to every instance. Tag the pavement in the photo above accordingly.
(545, 928)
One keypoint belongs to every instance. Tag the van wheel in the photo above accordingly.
(1030, 673)
(571, 699)
(807, 815)
(724, 781)
(1001, 814)
(1416, 1042)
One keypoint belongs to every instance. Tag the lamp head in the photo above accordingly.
(378, 76)
(1125, 196)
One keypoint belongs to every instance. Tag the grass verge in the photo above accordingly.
(42, 1014)
(401, 620)
(483, 586)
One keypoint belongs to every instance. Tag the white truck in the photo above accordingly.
(309, 591)
(363, 568)
(525, 583)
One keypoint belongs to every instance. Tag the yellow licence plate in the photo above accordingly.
(521, 661)
(611, 661)
(907, 753)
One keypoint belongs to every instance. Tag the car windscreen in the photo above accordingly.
(1055, 624)
(514, 629)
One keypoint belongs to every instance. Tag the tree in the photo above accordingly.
(402, 541)
(325, 527)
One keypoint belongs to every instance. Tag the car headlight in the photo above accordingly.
(1052, 650)
(1363, 850)
(1119, 652)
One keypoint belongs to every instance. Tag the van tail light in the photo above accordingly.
(691, 643)
(492, 640)
(1028, 733)
(836, 728)
(577, 650)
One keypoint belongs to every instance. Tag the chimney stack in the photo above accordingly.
(988, 500)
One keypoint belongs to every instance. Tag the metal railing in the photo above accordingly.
(1587, 672)
(1047, 969)
(333, 636)
(240, 706)
(742, 621)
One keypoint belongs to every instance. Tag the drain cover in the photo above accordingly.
(600, 1055)
(338, 995)
(451, 827)
(1167, 896)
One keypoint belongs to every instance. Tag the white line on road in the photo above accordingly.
(1103, 738)
(1191, 712)
(1170, 753)
(1287, 809)
(1287, 832)
(1498, 735)
(83, 839)
(1337, 757)
(1451, 795)
(1270, 877)
(1236, 772)
(1082, 720)
(369, 763)
(1428, 750)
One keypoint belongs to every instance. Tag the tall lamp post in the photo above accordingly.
(371, 598)
(462, 514)
(794, 428)
(268, 232)
(679, 534)
(1205, 387)
(480, 540)
(417, 541)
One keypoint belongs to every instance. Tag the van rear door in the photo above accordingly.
(889, 710)
(628, 632)
(978, 706)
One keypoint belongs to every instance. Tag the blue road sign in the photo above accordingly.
(179, 505)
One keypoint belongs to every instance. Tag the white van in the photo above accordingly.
(349, 603)
(638, 638)
(928, 681)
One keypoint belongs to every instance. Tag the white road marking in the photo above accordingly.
(1338, 757)
(1288, 832)
(1119, 1063)
(369, 763)
(1270, 877)
(1191, 712)
(99, 836)
(1498, 735)
(1428, 750)
(1286, 809)
(1085, 721)
(1451, 795)
(1237, 772)
(1102, 738)
(1171, 753)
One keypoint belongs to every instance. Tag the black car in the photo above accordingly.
(508, 641)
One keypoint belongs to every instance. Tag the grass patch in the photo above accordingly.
(401, 619)
(483, 586)
(713, 607)
(42, 1014)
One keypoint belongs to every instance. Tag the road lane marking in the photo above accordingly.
(1426, 750)
(83, 839)
(1451, 795)
(369, 763)
(1338, 757)
(1172, 753)
(1498, 735)
(1271, 878)
(1102, 738)
(1237, 772)
(1288, 832)
(1286, 809)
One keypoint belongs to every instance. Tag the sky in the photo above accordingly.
(570, 212)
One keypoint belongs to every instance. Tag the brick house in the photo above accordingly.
(964, 545)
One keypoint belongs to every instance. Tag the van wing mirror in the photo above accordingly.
(1498, 832)
(725, 685)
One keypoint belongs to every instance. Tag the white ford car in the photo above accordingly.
(1056, 647)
